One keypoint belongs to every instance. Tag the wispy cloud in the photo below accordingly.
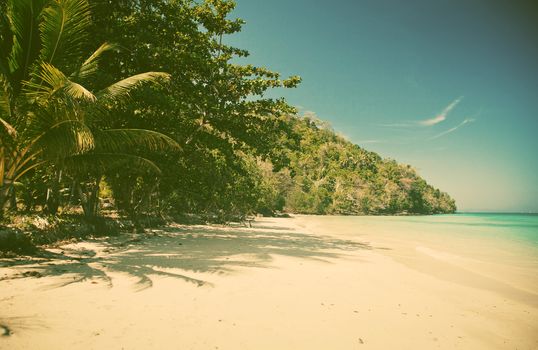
(446, 132)
(370, 141)
(441, 116)
(427, 122)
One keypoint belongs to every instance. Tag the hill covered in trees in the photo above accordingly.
(139, 106)
(329, 175)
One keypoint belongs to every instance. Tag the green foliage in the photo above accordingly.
(47, 116)
(333, 176)
(201, 138)
(214, 108)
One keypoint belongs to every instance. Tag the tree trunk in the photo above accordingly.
(3, 202)
(53, 194)
(73, 193)
(5, 189)
(90, 198)
(13, 199)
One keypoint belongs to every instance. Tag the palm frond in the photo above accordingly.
(66, 138)
(7, 131)
(6, 41)
(46, 81)
(6, 128)
(52, 80)
(132, 140)
(90, 66)
(121, 90)
(63, 29)
(103, 163)
(78, 92)
(24, 15)
(59, 131)
(28, 168)
(5, 96)
(40, 120)
(8, 136)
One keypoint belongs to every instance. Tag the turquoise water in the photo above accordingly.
(517, 229)
(521, 228)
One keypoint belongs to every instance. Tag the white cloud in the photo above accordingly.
(441, 116)
(370, 141)
(466, 121)
(427, 122)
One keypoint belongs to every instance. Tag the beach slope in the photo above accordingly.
(298, 283)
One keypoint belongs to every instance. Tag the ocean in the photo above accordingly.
(509, 227)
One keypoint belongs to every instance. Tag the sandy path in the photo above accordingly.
(281, 285)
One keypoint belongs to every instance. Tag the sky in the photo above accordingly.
(450, 87)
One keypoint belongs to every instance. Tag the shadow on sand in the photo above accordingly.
(183, 252)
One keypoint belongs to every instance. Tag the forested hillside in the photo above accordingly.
(329, 175)
(138, 106)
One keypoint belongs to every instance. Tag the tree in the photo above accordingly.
(46, 112)
(332, 176)
(214, 108)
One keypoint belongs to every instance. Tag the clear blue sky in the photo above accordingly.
(450, 87)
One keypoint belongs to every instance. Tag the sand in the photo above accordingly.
(283, 284)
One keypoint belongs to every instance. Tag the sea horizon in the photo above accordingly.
(493, 212)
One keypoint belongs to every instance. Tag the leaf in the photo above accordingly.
(58, 131)
(101, 163)
(5, 127)
(6, 41)
(64, 139)
(63, 29)
(130, 140)
(121, 90)
(51, 81)
(5, 105)
(78, 91)
(24, 18)
(90, 66)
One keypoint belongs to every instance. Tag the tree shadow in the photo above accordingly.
(185, 253)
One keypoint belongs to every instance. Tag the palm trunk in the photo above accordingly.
(5, 189)
(95, 196)
(4, 196)
(90, 198)
(72, 193)
(53, 194)
(13, 200)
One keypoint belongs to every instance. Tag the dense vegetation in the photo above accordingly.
(329, 175)
(138, 106)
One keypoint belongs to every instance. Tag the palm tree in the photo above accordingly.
(46, 112)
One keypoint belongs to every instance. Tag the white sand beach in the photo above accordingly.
(300, 283)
